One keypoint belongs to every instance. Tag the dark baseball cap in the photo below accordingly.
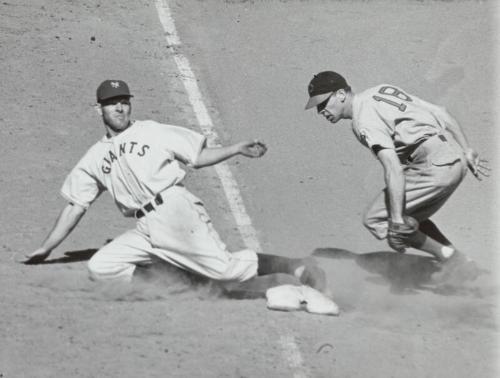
(322, 85)
(112, 88)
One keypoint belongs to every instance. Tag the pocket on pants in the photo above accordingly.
(444, 156)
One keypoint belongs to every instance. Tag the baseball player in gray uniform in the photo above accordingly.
(424, 154)
(137, 162)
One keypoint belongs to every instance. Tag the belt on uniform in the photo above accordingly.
(440, 136)
(147, 208)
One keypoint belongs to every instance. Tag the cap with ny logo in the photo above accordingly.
(112, 88)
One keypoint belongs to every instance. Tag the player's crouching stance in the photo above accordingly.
(424, 154)
(138, 163)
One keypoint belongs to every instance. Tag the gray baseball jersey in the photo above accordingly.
(385, 116)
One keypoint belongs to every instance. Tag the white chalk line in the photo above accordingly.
(289, 347)
(188, 78)
(291, 354)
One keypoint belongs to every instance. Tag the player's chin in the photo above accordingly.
(120, 125)
(333, 119)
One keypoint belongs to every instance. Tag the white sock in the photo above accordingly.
(298, 272)
(447, 252)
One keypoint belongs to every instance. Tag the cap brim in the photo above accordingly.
(318, 99)
(115, 96)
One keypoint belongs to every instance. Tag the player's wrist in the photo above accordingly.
(236, 148)
(469, 151)
(398, 219)
(46, 248)
(241, 148)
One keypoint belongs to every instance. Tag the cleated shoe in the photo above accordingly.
(456, 270)
(284, 298)
(318, 303)
(293, 298)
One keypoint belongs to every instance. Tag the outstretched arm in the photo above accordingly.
(479, 167)
(65, 223)
(213, 155)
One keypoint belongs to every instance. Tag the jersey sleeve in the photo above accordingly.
(184, 143)
(373, 131)
(81, 186)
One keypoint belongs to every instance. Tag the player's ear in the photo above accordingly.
(98, 108)
(341, 94)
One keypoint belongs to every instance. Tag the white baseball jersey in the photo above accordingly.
(387, 116)
(134, 165)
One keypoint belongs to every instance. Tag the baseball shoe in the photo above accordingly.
(293, 298)
(310, 274)
(284, 298)
(318, 303)
(456, 270)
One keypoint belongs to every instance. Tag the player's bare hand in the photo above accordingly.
(37, 256)
(479, 167)
(253, 149)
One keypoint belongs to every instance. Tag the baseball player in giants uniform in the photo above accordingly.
(424, 154)
(137, 162)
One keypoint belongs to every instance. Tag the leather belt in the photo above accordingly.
(147, 208)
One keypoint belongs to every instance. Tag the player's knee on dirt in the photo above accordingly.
(241, 266)
(101, 270)
(239, 274)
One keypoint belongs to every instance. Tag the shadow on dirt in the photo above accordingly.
(69, 257)
(404, 273)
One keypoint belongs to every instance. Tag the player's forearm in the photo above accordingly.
(213, 155)
(65, 223)
(395, 182)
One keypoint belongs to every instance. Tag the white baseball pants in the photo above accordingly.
(179, 232)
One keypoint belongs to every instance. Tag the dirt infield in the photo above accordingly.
(253, 60)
